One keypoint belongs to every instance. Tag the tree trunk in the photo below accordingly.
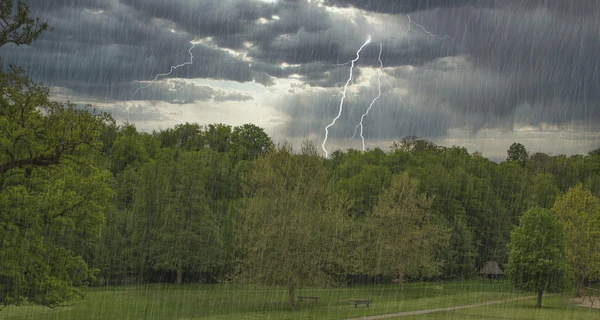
(179, 275)
(401, 280)
(292, 299)
(578, 281)
(539, 299)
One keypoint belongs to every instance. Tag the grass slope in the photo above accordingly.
(226, 301)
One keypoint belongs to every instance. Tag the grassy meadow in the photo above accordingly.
(227, 301)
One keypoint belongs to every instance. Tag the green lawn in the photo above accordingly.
(563, 307)
(226, 301)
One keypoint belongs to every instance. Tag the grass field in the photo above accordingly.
(226, 301)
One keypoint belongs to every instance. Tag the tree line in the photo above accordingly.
(84, 201)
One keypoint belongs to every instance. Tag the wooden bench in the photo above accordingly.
(360, 301)
(302, 298)
(592, 294)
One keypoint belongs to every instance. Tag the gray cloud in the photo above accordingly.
(391, 116)
(510, 62)
(404, 6)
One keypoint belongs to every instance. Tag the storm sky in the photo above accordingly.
(477, 74)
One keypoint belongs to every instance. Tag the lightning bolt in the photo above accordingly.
(170, 71)
(392, 86)
(379, 71)
(343, 95)
(425, 30)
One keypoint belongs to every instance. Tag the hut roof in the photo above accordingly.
(491, 268)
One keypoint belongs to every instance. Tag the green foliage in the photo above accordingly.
(52, 195)
(292, 222)
(35, 131)
(18, 26)
(178, 230)
(579, 210)
(461, 253)
(50, 216)
(249, 142)
(536, 258)
(365, 187)
(400, 237)
(218, 137)
(127, 149)
(517, 152)
(414, 144)
(544, 191)
(187, 136)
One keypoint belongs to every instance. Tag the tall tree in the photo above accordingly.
(178, 231)
(249, 142)
(40, 132)
(218, 137)
(536, 258)
(291, 232)
(52, 195)
(401, 237)
(517, 152)
(580, 212)
(188, 236)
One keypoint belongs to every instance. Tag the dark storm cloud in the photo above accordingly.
(509, 61)
(181, 92)
(536, 56)
(97, 44)
(110, 70)
(210, 18)
(136, 113)
(390, 117)
(404, 6)
(102, 47)
(58, 5)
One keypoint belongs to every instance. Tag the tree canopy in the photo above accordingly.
(536, 257)
(291, 228)
(579, 209)
(400, 237)
(52, 193)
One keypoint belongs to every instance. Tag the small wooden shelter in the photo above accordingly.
(491, 270)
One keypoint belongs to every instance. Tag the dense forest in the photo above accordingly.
(85, 201)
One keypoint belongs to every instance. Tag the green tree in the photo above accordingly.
(52, 195)
(17, 25)
(517, 152)
(187, 238)
(292, 221)
(178, 230)
(50, 217)
(128, 149)
(544, 191)
(414, 144)
(188, 136)
(218, 137)
(580, 212)
(400, 237)
(536, 258)
(249, 142)
(38, 132)
(115, 253)
(365, 187)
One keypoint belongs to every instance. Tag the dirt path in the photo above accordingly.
(416, 312)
